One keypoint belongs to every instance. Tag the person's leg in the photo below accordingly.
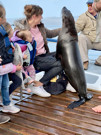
(7, 105)
(5, 89)
(84, 44)
(0, 90)
(3, 119)
(97, 46)
(31, 70)
(51, 73)
(50, 65)
(16, 82)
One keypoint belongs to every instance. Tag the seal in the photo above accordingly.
(68, 52)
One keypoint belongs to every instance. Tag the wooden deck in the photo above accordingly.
(50, 116)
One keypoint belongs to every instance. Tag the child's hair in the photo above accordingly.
(2, 9)
(30, 10)
(7, 27)
(22, 35)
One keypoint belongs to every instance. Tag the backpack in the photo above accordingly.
(57, 84)
(6, 52)
(30, 52)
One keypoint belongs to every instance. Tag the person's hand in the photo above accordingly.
(18, 67)
(0, 60)
(94, 7)
(13, 48)
(25, 56)
(37, 83)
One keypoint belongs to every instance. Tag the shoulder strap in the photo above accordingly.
(34, 52)
(21, 42)
(3, 31)
(6, 39)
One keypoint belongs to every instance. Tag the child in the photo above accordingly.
(16, 80)
(24, 39)
(29, 66)
(4, 80)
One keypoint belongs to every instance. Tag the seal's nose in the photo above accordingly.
(64, 8)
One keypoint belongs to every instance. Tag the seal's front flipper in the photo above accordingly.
(76, 103)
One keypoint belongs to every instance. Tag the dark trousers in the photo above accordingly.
(16, 82)
(48, 63)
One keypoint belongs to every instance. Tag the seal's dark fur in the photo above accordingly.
(68, 53)
(68, 22)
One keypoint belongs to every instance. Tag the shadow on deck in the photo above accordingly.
(50, 116)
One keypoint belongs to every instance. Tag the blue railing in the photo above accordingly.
(51, 40)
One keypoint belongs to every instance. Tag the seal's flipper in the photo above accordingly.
(76, 103)
(89, 96)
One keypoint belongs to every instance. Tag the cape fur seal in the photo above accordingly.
(68, 52)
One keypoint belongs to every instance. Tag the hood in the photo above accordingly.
(21, 24)
(15, 38)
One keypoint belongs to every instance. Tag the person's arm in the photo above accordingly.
(97, 6)
(52, 33)
(80, 23)
(9, 68)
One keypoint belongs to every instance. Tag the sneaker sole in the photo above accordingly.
(5, 121)
(8, 111)
(40, 95)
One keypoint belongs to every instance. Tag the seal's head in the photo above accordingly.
(68, 21)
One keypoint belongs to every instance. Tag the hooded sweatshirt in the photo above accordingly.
(16, 40)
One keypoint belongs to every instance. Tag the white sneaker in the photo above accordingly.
(70, 88)
(40, 91)
(4, 119)
(10, 108)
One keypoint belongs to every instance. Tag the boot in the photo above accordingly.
(85, 65)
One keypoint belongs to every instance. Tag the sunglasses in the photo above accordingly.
(89, 5)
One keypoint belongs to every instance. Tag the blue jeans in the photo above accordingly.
(4, 86)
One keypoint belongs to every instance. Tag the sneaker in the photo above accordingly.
(4, 119)
(10, 108)
(85, 65)
(40, 91)
(70, 88)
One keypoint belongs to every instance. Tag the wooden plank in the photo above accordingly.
(50, 116)
(20, 129)
(7, 131)
(67, 112)
(38, 126)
